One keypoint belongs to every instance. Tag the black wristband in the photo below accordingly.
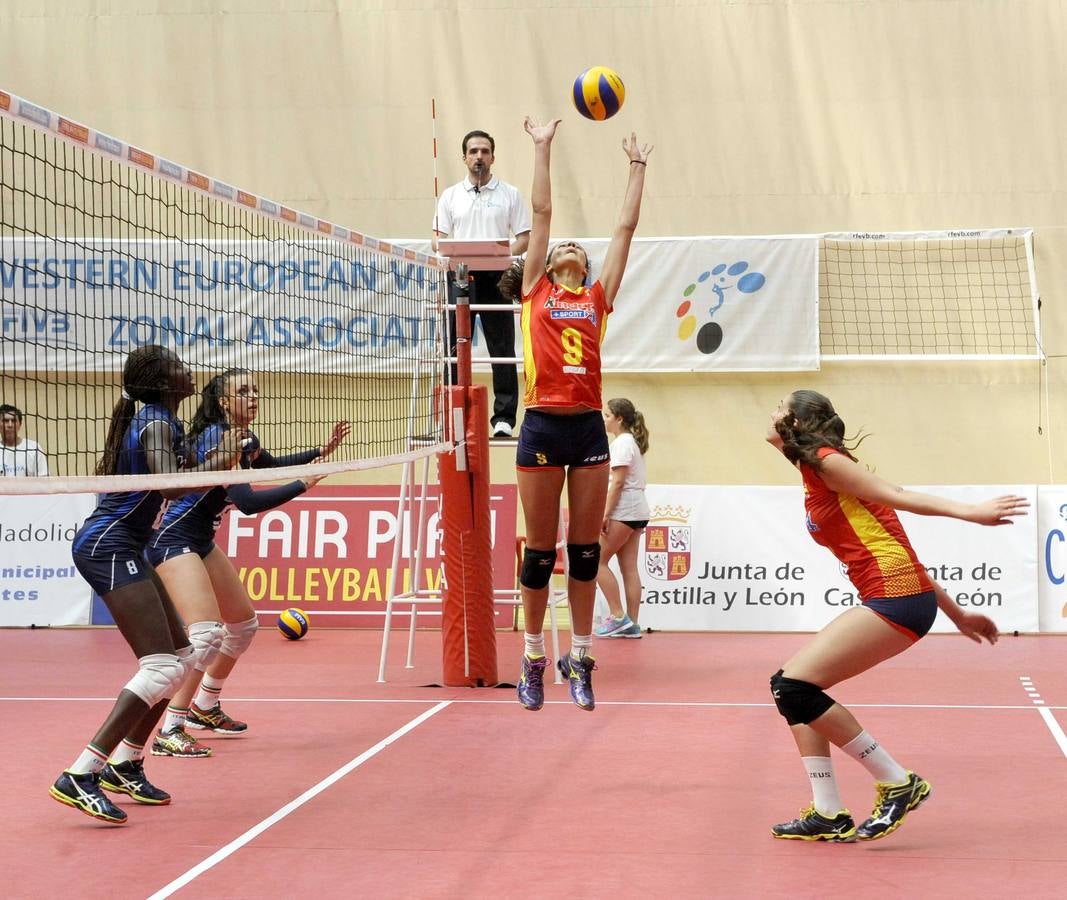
(637, 162)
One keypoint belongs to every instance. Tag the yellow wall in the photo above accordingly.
(768, 117)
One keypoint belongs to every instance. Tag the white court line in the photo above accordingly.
(510, 702)
(1054, 727)
(236, 844)
(1046, 713)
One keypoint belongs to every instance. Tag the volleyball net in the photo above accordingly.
(952, 295)
(105, 248)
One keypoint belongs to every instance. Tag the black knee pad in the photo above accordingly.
(537, 566)
(584, 561)
(800, 702)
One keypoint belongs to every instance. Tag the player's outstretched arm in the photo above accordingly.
(619, 248)
(841, 474)
(540, 201)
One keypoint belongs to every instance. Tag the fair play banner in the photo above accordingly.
(38, 582)
(741, 559)
(329, 552)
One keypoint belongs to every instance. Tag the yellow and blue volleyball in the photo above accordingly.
(293, 623)
(599, 93)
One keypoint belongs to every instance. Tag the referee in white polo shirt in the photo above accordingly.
(484, 208)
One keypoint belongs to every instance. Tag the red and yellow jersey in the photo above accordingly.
(867, 537)
(561, 335)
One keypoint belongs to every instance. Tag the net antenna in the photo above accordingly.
(105, 247)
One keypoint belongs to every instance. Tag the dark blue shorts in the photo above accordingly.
(160, 553)
(549, 441)
(106, 570)
(914, 615)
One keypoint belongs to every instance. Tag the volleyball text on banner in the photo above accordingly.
(468, 631)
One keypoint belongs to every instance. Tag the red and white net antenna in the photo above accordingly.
(433, 131)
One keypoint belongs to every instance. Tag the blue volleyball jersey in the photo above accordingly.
(194, 518)
(125, 519)
(191, 522)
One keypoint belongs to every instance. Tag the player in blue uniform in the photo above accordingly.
(201, 578)
(108, 552)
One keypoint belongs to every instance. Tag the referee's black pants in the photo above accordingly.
(498, 327)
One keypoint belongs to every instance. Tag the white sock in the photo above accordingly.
(126, 751)
(210, 688)
(872, 756)
(823, 785)
(91, 760)
(535, 644)
(173, 718)
(581, 644)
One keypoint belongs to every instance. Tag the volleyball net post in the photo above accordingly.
(468, 628)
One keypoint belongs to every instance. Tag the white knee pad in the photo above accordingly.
(238, 636)
(159, 676)
(187, 657)
(206, 638)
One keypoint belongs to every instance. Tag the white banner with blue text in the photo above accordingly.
(694, 304)
(82, 304)
(38, 582)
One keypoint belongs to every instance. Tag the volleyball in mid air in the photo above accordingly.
(599, 93)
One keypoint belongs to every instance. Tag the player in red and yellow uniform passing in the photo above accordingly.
(562, 440)
(851, 512)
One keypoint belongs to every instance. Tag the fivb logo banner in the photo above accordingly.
(310, 306)
(714, 304)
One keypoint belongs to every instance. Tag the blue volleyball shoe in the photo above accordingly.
(579, 675)
(82, 791)
(531, 685)
(129, 778)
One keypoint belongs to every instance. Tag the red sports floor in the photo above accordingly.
(348, 788)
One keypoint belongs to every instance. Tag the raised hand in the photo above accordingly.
(311, 480)
(636, 152)
(541, 134)
(1000, 510)
(340, 432)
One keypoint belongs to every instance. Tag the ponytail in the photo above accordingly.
(810, 425)
(510, 283)
(145, 375)
(632, 420)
